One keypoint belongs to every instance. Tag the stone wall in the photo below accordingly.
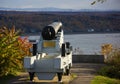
(88, 58)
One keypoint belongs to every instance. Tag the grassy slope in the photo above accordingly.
(104, 80)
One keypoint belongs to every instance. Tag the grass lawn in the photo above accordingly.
(104, 80)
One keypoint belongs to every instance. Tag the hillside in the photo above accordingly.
(73, 22)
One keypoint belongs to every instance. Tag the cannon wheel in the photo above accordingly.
(31, 74)
(67, 72)
(59, 76)
(63, 50)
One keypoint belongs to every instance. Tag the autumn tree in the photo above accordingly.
(24, 46)
(11, 55)
(106, 50)
(112, 60)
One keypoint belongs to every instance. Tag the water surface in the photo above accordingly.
(91, 43)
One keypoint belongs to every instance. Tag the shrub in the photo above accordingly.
(11, 55)
(110, 71)
(114, 58)
(113, 63)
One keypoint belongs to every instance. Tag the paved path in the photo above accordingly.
(84, 71)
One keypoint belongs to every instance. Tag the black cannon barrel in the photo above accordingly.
(49, 32)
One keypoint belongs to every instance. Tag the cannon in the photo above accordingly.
(49, 32)
(51, 55)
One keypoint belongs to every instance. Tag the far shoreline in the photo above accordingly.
(37, 34)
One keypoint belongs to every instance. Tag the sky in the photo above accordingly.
(64, 4)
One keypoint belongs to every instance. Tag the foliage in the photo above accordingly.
(94, 2)
(110, 71)
(73, 22)
(114, 58)
(10, 53)
(104, 80)
(106, 50)
(113, 62)
(24, 46)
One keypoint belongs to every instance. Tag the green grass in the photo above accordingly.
(104, 80)
(73, 75)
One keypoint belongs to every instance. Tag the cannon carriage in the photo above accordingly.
(51, 55)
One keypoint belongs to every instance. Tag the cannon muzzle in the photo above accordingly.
(49, 32)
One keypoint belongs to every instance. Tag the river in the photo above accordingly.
(90, 43)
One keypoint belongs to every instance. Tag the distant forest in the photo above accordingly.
(73, 22)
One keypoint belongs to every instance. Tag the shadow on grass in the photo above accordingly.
(5, 79)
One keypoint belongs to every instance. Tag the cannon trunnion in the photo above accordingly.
(52, 55)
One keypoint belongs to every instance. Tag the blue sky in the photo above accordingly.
(66, 4)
